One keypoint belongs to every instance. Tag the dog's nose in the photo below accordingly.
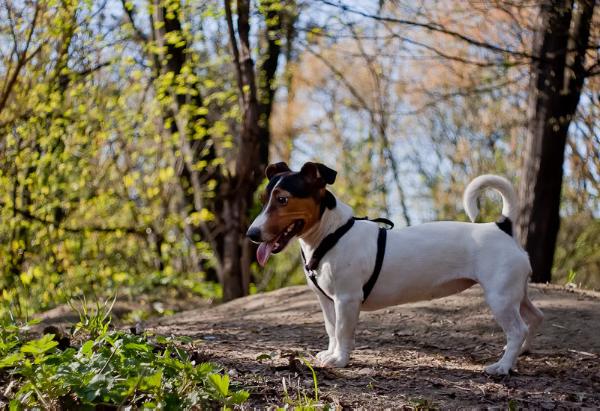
(253, 234)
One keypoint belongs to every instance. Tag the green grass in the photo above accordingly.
(94, 320)
(299, 398)
(571, 277)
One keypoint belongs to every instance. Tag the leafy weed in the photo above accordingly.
(110, 368)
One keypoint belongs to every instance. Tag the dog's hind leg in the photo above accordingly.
(533, 317)
(506, 312)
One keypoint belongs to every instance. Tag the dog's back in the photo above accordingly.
(434, 260)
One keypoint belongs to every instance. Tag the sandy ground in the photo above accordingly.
(428, 354)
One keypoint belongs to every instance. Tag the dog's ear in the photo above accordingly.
(327, 173)
(276, 168)
(319, 173)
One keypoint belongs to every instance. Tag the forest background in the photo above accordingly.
(134, 134)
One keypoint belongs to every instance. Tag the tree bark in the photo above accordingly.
(557, 76)
(256, 95)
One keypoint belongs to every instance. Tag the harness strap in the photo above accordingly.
(381, 240)
(327, 244)
(331, 240)
(313, 278)
(377, 220)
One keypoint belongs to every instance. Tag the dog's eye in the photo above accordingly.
(282, 200)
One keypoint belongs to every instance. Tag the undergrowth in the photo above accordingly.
(296, 395)
(112, 369)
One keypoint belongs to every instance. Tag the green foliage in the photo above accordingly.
(96, 320)
(220, 387)
(296, 396)
(91, 196)
(578, 251)
(314, 376)
(571, 277)
(114, 368)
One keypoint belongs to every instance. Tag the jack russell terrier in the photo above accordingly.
(355, 265)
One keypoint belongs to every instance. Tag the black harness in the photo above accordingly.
(331, 240)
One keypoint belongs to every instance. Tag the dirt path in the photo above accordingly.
(430, 353)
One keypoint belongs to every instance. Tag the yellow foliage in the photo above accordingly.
(196, 218)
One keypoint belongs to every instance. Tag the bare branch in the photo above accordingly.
(382, 129)
(142, 232)
(234, 50)
(22, 59)
(93, 69)
(438, 97)
(435, 27)
(131, 16)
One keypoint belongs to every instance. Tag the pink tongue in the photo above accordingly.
(263, 252)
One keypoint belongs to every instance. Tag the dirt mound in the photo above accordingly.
(424, 354)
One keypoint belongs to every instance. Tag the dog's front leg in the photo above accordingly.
(328, 309)
(347, 311)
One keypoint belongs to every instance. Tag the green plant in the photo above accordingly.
(220, 385)
(95, 319)
(111, 368)
(302, 400)
(314, 376)
(571, 277)
(117, 369)
(11, 336)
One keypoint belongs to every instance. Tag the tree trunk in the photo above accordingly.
(557, 76)
(256, 94)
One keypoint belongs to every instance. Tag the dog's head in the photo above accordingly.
(293, 202)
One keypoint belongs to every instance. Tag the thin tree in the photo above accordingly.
(256, 91)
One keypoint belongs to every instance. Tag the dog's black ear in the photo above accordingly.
(318, 173)
(276, 168)
(327, 173)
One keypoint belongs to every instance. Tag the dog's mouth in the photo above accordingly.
(277, 244)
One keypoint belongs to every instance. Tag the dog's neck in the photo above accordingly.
(331, 220)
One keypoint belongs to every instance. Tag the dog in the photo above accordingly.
(423, 262)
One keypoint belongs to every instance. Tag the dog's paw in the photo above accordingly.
(497, 369)
(335, 360)
(323, 354)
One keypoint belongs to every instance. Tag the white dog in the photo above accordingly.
(422, 262)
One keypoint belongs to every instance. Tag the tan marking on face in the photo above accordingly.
(280, 216)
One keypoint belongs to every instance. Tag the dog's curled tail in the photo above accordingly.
(504, 187)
